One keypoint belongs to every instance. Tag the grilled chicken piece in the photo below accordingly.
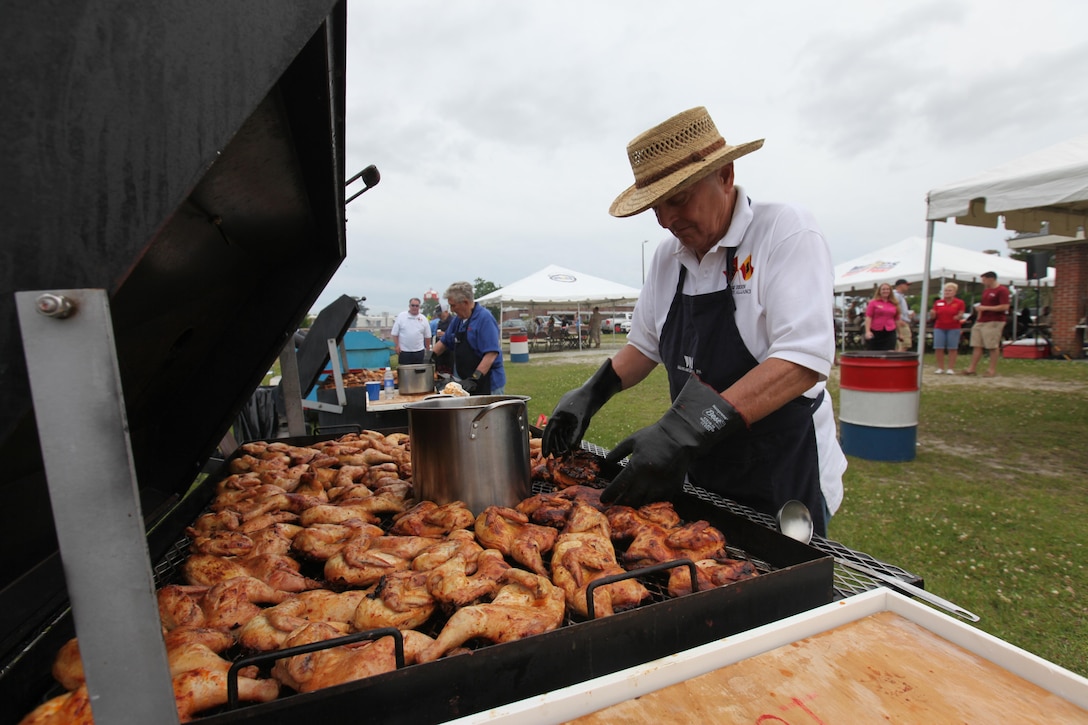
(71, 708)
(222, 543)
(661, 512)
(270, 629)
(346, 663)
(359, 502)
(553, 509)
(710, 573)
(652, 543)
(573, 468)
(265, 520)
(365, 560)
(509, 531)
(233, 602)
(429, 519)
(389, 498)
(247, 463)
(400, 600)
(323, 541)
(275, 539)
(464, 580)
(527, 604)
(583, 554)
(179, 606)
(68, 666)
(461, 542)
(279, 572)
(209, 523)
(195, 690)
(203, 689)
(216, 640)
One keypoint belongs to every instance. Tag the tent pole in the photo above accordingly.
(924, 307)
(578, 323)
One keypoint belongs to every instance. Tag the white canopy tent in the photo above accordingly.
(1047, 187)
(906, 259)
(558, 285)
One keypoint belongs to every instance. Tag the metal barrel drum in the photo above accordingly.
(878, 405)
(519, 348)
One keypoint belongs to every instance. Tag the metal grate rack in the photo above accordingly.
(847, 581)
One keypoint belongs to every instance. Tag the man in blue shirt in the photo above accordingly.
(473, 339)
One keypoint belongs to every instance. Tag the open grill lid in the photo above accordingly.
(189, 159)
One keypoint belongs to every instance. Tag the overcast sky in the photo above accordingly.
(500, 128)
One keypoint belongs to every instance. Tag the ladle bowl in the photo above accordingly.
(795, 521)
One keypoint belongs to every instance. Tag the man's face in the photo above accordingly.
(699, 216)
(902, 288)
(989, 282)
(462, 309)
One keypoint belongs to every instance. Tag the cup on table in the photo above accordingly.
(373, 389)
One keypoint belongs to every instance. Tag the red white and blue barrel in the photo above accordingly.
(519, 348)
(878, 405)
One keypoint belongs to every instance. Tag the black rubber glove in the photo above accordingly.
(571, 417)
(469, 384)
(661, 453)
(428, 357)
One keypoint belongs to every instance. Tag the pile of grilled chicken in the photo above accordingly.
(305, 544)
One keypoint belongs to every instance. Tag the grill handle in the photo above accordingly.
(264, 657)
(635, 573)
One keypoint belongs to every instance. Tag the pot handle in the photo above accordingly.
(493, 406)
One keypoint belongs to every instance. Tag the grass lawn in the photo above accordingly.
(991, 512)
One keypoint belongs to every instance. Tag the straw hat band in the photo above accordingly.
(693, 158)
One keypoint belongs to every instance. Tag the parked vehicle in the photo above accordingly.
(620, 323)
(513, 327)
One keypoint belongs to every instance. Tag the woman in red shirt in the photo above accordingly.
(948, 312)
(881, 314)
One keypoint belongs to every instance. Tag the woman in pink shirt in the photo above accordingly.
(881, 314)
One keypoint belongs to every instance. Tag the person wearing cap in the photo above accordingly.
(443, 364)
(731, 307)
(904, 338)
(987, 330)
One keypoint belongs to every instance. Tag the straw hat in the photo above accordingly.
(672, 156)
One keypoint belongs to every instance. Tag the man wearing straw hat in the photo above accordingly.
(735, 306)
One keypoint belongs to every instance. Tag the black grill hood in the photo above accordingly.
(189, 159)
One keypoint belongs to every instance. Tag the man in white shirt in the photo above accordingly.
(735, 305)
(902, 326)
(411, 335)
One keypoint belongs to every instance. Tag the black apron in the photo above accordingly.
(467, 360)
(776, 460)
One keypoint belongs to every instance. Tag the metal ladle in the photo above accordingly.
(795, 521)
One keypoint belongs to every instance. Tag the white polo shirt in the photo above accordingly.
(784, 293)
(412, 331)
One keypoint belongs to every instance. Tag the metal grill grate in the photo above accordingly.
(847, 581)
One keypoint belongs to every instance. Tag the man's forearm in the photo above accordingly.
(768, 386)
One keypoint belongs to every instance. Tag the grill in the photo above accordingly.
(793, 578)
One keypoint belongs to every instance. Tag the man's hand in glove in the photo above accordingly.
(428, 357)
(661, 453)
(469, 385)
(571, 417)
